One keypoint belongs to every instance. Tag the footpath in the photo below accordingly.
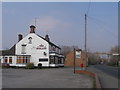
(106, 80)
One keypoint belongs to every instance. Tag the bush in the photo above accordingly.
(30, 66)
(5, 65)
(112, 64)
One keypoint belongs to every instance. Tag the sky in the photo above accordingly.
(63, 22)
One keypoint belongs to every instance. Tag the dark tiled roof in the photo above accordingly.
(49, 42)
(10, 51)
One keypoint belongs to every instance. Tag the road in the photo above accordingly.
(108, 75)
(113, 71)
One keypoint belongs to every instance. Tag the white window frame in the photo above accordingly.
(23, 49)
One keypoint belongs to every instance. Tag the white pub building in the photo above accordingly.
(33, 49)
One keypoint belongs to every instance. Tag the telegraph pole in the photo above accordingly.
(85, 39)
(74, 59)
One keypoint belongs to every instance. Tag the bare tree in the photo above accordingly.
(93, 58)
(114, 59)
(66, 49)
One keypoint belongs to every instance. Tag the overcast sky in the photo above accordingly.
(64, 22)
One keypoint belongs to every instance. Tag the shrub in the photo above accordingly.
(112, 63)
(30, 66)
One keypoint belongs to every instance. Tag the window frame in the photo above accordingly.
(30, 40)
(23, 49)
(43, 59)
(23, 59)
(6, 59)
(10, 60)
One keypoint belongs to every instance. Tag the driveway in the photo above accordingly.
(45, 78)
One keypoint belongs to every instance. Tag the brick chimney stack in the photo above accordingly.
(47, 38)
(20, 37)
(32, 29)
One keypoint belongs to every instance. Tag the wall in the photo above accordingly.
(69, 60)
(34, 48)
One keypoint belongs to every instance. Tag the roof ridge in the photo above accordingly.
(48, 41)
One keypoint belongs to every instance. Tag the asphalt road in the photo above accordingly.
(113, 71)
(108, 76)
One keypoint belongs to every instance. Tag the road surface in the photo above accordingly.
(108, 75)
(113, 71)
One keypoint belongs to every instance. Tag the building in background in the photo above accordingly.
(79, 58)
(33, 49)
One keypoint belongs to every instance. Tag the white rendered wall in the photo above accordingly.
(31, 48)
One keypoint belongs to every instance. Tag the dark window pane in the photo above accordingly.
(43, 60)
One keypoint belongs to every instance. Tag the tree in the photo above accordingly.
(93, 58)
(66, 49)
(114, 59)
(114, 49)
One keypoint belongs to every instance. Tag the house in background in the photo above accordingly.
(33, 49)
(69, 60)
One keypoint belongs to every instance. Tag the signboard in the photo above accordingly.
(40, 47)
(77, 54)
(115, 54)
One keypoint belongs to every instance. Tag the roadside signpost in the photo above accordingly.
(77, 55)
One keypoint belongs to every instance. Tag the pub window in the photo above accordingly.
(19, 60)
(6, 59)
(30, 40)
(62, 60)
(26, 59)
(59, 60)
(50, 47)
(43, 60)
(53, 48)
(23, 59)
(59, 51)
(56, 60)
(52, 60)
(10, 60)
(23, 49)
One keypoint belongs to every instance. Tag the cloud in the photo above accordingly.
(48, 23)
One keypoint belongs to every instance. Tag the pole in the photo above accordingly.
(85, 39)
(74, 60)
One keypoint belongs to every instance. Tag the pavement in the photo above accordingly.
(45, 78)
(108, 76)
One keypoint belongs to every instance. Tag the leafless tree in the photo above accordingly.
(66, 49)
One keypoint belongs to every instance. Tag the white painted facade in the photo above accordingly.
(35, 49)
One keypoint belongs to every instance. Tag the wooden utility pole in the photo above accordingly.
(74, 59)
(85, 39)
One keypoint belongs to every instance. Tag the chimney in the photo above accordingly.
(47, 38)
(32, 29)
(20, 37)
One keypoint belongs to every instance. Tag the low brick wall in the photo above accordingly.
(97, 82)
